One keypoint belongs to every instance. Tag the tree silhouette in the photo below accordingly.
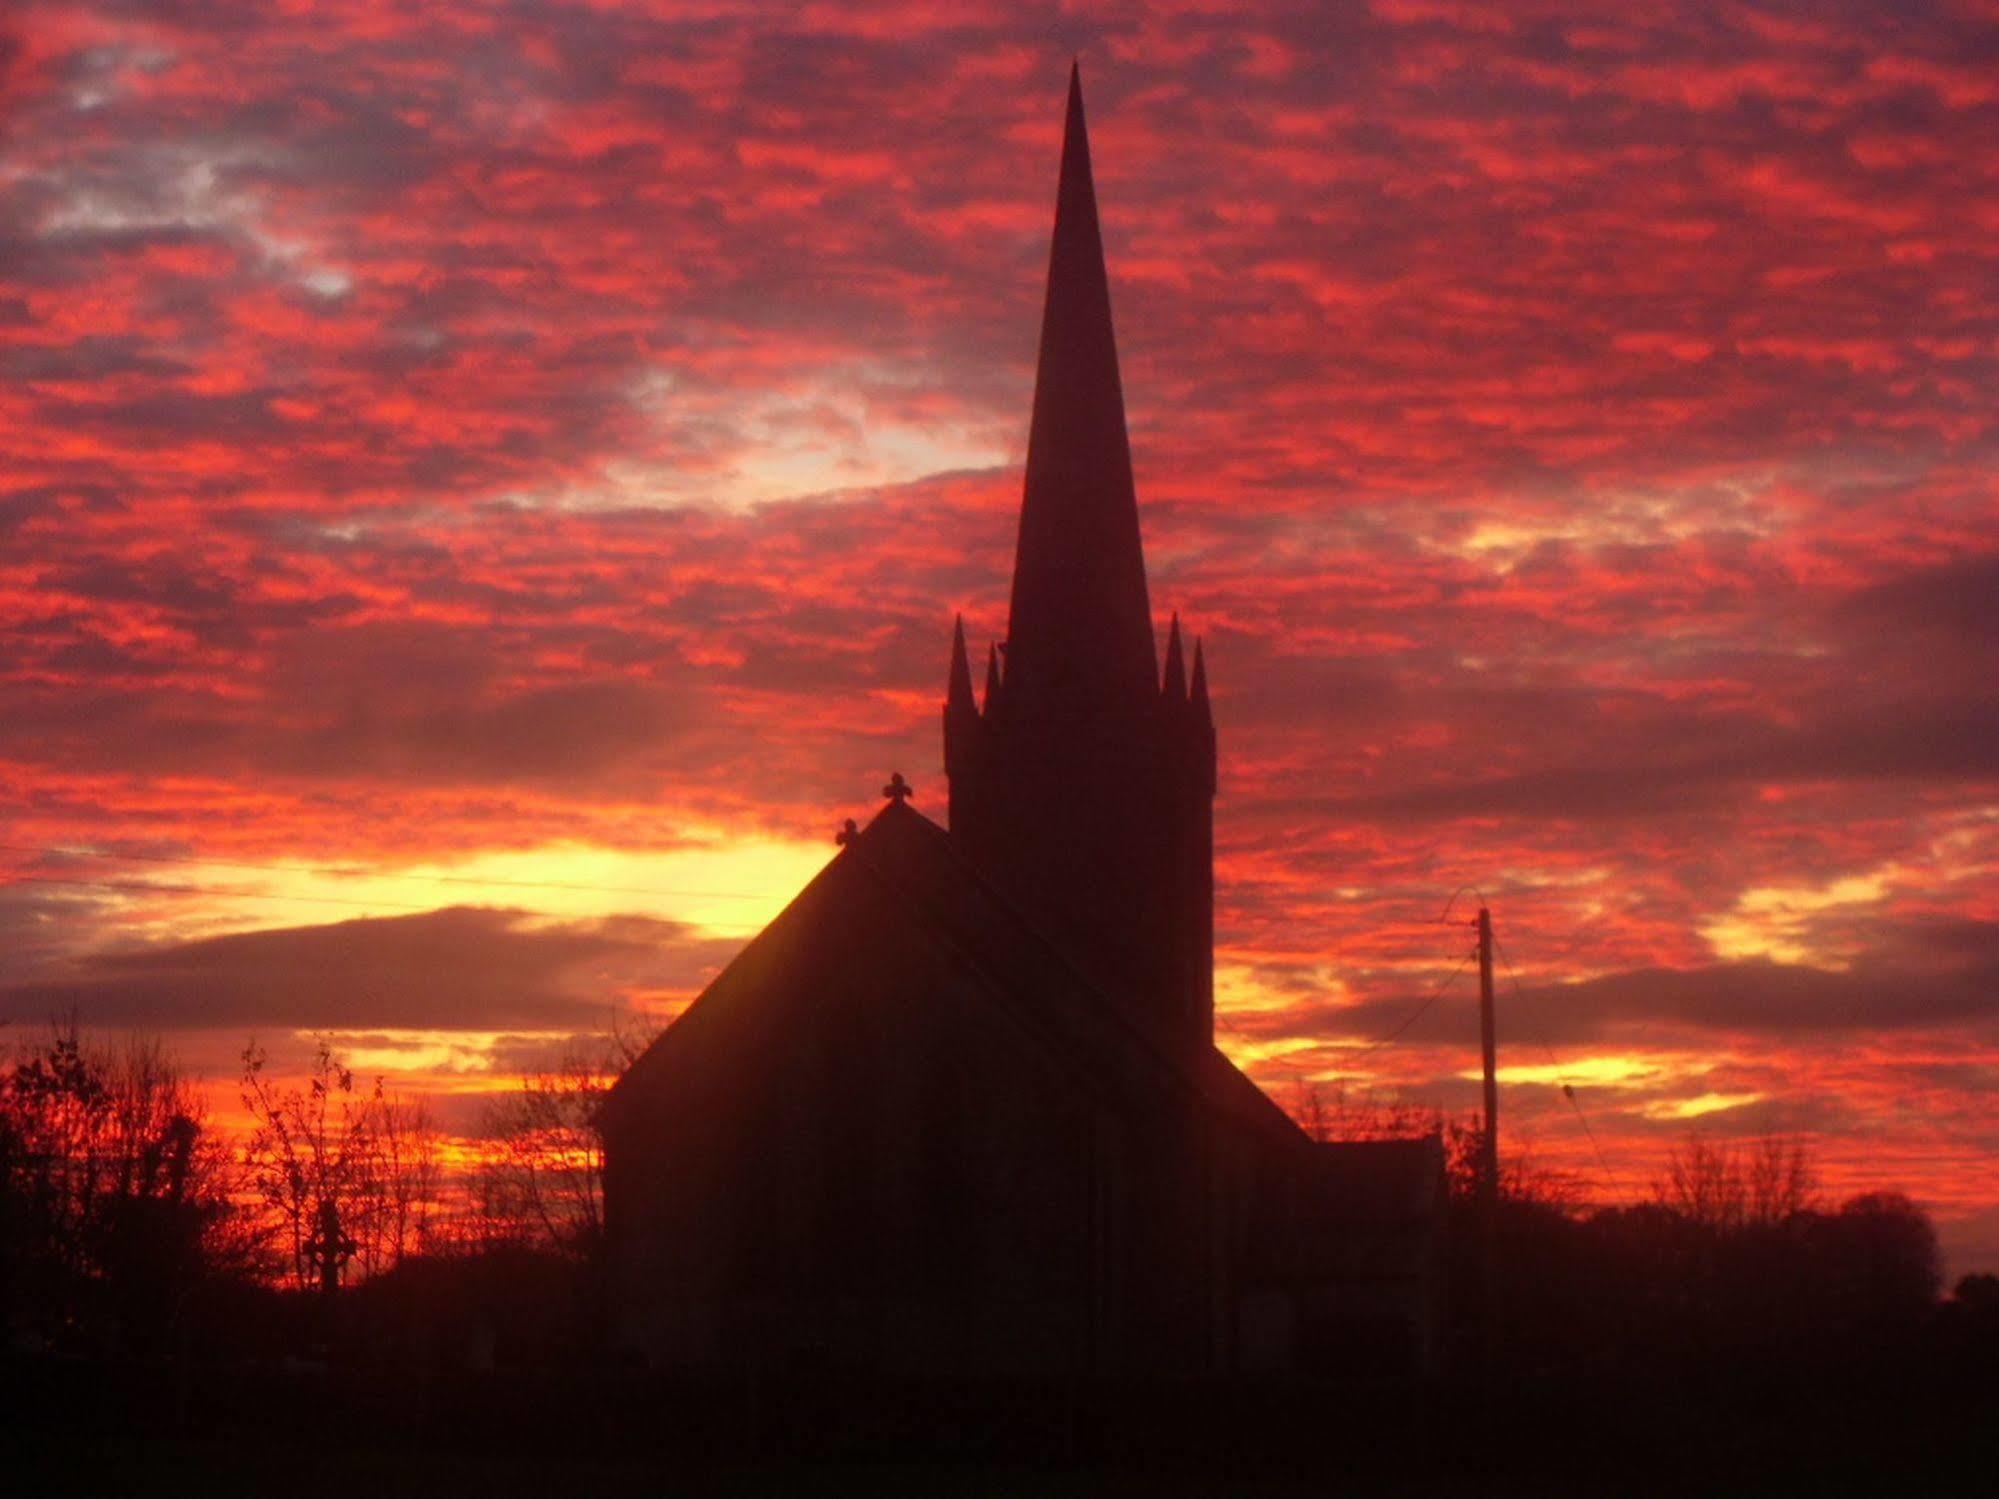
(345, 1175)
(116, 1201)
(542, 1185)
(1724, 1186)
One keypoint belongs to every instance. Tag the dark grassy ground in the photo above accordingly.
(296, 1430)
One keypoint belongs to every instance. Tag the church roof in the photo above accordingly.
(936, 895)
(1079, 635)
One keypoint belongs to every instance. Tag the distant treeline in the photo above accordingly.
(1736, 1254)
(1683, 1281)
(337, 1231)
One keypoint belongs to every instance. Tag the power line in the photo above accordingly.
(333, 871)
(150, 887)
(1568, 1092)
(1414, 1016)
(1373, 1046)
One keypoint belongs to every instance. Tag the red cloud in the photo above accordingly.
(1571, 431)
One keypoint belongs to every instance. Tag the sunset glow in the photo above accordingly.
(485, 489)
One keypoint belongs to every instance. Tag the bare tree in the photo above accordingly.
(412, 1173)
(118, 1200)
(345, 1175)
(1727, 1186)
(1522, 1176)
(1363, 1114)
(1705, 1183)
(543, 1183)
(304, 1154)
(1783, 1179)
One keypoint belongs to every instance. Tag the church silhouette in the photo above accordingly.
(958, 1109)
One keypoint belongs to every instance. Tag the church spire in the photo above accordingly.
(1084, 790)
(1079, 639)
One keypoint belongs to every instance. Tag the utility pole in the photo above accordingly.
(1488, 1164)
(1488, 1156)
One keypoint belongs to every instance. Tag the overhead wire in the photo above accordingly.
(1297, 1075)
(1568, 1089)
(153, 887)
(339, 872)
(159, 887)
(1414, 1015)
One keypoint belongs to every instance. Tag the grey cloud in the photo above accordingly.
(461, 968)
(1922, 741)
(1913, 974)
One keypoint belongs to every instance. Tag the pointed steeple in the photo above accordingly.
(1079, 640)
(958, 696)
(1085, 789)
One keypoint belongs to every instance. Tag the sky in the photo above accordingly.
(485, 488)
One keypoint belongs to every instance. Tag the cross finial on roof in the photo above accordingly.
(897, 789)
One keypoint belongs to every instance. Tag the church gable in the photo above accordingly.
(853, 1115)
(897, 940)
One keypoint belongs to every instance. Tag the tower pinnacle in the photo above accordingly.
(1175, 687)
(958, 696)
